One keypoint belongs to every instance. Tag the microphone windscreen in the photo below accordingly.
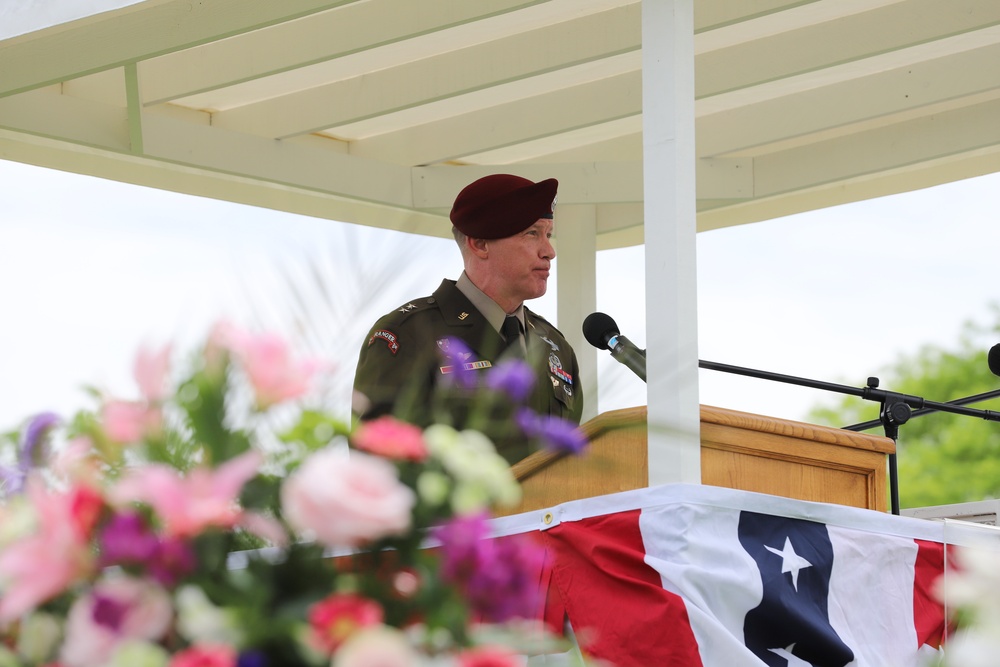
(598, 329)
(994, 359)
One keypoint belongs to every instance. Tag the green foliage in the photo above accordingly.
(942, 457)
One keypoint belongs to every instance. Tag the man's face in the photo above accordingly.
(519, 265)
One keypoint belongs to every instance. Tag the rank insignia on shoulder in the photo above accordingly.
(470, 366)
(390, 339)
(407, 308)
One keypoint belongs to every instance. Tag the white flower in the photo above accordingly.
(974, 588)
(139, 654)
(18, 520)
(483, 476)
(377, 646)
(200, 621)
(8, 659)
(469, 498)
(973, 649)
(433, 487)
(38, 637)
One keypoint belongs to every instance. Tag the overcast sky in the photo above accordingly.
(91, 268)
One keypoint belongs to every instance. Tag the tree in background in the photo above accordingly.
(942, 458)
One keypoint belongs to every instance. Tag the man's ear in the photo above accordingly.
(477, 247)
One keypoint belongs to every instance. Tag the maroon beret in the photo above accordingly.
(501, 205)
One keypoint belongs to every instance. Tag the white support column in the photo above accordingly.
(670, 227)
(576, 256)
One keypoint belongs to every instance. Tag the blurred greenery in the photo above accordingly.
(942, 457)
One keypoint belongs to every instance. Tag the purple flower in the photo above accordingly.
(514, 377)
(34, 444)
(33, 451)
(251, 658)
(127, 539)
(109, 612)
(499, 576)
(456, 354)
(173, 559)
(12, 479)
(462, 540)
(556, 433)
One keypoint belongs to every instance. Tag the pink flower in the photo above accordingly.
(76, 462)
(377, 646)
(130, 421)
(42, 565)
(116, 610)
(265, 527)
(488, 656)
(269, 365)
(335, 618)
(389, 437)
(205, 655)
(187, 505)
(151, 370)
(345, 501)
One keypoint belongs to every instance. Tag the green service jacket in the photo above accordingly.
(400, 368)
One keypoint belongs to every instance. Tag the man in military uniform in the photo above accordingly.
(503, 225)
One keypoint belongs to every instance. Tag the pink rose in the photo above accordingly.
(389, 437)
(346, 500)
(205, 655)
(116, 610)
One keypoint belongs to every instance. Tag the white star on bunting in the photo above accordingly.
(790, 561)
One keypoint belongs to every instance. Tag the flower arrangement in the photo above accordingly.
(169, 531)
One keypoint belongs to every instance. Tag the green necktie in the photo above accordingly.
(511, 331)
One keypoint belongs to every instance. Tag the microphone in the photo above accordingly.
(993, 359)
(602, 332)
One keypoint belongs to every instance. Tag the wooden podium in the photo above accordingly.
(739, 450)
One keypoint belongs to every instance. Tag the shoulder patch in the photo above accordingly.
(391, 340)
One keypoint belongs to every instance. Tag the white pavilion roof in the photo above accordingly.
(377, 112)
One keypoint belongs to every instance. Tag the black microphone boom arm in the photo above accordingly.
(896, 409)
